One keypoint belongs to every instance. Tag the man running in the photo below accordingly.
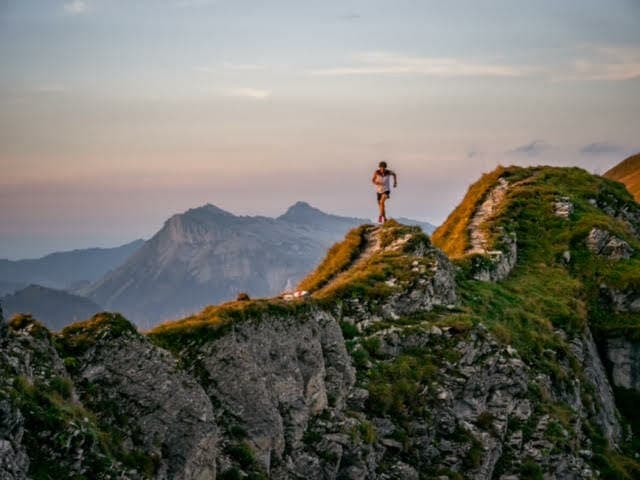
(382, 179)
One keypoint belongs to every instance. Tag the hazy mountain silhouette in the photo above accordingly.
(65, 270)
(55, 308)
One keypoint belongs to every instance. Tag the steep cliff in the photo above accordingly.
(399, 364)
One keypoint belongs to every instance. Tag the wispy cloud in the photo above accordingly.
(603, 148)
(350, 16)
(254, 93)
(532, 149)
(613, 63)
(240, 67)
(385, 63)
(75, 7)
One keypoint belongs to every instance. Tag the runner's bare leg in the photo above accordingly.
(383, 213)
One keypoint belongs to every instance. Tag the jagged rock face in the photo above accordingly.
(624, 357)
(138, 389)
(274, 375)
(43, 428)
(481, 416)
(606, 413)
(14, 461)
(437, 288)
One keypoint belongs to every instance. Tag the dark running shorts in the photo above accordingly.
(379, 195)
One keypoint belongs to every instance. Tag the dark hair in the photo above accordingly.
(382, 165)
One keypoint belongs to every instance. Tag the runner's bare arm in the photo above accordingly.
(395, 179)
(375, 178)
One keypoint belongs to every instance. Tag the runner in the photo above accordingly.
(382, 180)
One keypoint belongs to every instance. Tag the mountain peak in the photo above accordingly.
(208, 209)
(301, 212)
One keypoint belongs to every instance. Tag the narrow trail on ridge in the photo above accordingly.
(486, 211)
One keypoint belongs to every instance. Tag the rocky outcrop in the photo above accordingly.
(14, 461)
(623, 355)
(491, 263)
(138, 390)
(484, 415)
(602, 242)
(434, 285)
(606, 414)
(272, 376)
(44, 429)
(563, 207)
(496, 265)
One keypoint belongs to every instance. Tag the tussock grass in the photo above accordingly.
(339, 257)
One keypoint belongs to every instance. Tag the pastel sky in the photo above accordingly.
(116, 114)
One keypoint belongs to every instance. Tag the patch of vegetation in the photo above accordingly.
(26, 322)
(349, 330)
(242, 453)
(365, 432)
(485, 420)
(231, 474)
(77, 338)
(55, 428)
(616, 465)
(395, 387)
(530, 470)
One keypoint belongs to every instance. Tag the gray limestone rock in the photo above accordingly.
(602, 242)
(138, 389)
(607, 416)
(275, 374)
(624, 357)
(496, 265)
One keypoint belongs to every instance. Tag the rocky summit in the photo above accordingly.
(505, 347)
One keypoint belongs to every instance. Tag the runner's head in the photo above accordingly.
(382, 165)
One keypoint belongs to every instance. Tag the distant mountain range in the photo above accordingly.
(54, 308)
(628, 172)
(64, 270)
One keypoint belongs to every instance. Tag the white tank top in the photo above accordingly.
(386, 181)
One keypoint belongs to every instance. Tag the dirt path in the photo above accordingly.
(488, 208)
